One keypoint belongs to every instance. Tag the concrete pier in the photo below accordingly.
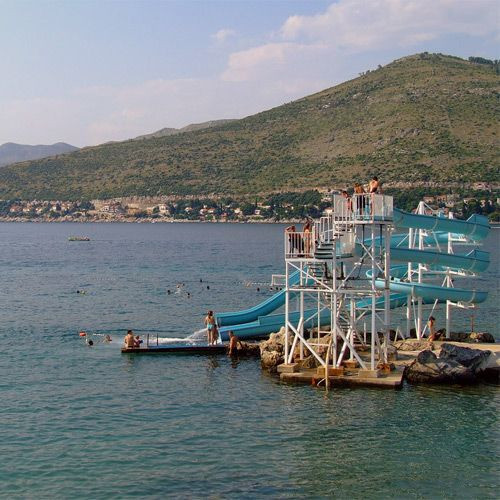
(350, 376)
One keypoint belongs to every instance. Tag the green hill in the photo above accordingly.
(423, 118)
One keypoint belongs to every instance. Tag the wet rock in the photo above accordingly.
(471, 358)
(249, 349)
(411, 345)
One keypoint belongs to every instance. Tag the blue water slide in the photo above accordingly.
(264, 325)
(474, 261)
(253, 313)
(434, 292)
(476, 227)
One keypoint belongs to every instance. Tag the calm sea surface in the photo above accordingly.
(91, 423)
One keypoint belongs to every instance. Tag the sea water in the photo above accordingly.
(89, 422)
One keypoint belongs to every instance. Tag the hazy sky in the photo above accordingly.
(87, 72)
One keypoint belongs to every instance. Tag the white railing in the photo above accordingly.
(362, 207)
(300, 244)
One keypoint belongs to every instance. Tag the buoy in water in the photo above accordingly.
(82, 334)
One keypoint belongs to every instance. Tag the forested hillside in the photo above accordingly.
(423, 118)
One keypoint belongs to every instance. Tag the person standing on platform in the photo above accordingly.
(211, 327)
(432, 329)
(374, 186)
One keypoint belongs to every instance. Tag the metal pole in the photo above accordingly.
(408, 302)
(374, 298)
(421, 211)
(333, 324)
(287, 307)
(351, 326)
(387, 292)
(303, 282)
(448, 284)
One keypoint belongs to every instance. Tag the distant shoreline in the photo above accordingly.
(148, 221)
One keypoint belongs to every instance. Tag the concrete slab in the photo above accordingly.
(288, 368)
(394, 380)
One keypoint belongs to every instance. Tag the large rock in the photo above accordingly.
(249, 349)
(475, 359)
(272, 350)
(429, 369)
(455, 365)
(269, 360)
(472, 338)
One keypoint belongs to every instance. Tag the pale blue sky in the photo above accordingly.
(86, 72)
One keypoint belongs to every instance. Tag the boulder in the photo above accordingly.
(454, 365)
(429, 369)
(474, 337)
(269, 360)
(272, 351)
(481, 337)
(249, 349)
(471, 358)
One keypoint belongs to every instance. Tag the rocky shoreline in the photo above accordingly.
(144, 220)
(422, 364)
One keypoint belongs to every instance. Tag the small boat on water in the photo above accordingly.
(78, 238)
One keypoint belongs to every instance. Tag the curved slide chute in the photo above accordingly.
(253, 313)
(476, 227)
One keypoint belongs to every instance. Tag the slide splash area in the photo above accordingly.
(258, 321)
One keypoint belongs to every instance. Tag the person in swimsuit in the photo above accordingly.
(360, 199)
(211, 327)
(374, 185)
(233, 344)
(432, 329)
(129, 339)
(307, 241)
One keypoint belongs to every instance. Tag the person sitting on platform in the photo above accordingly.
(137, 341)
(234, 341)
(129, 339)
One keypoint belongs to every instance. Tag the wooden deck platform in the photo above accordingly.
(176, 349)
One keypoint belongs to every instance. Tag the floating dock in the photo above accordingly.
(176, 349)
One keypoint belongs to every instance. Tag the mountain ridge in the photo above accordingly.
(11, 152)
(188, 128)
(422, 118)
